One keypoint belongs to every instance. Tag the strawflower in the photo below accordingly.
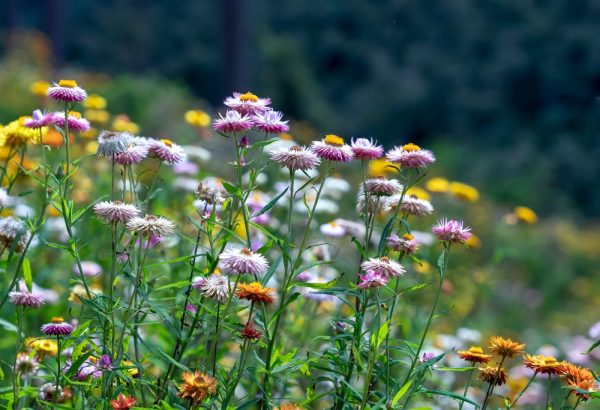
(366, 149)
(505, 347)
(333, 148)
(451, 231)
(196, 387)
(255, 292)
(410, 156)
(67, 91)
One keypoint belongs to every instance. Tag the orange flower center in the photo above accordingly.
(334, 140)
(67, 83)
(246, 252)
(248, 97)
(385, 259)
(57, 319)
(411, 147)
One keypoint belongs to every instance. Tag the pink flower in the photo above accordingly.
(451, 231)
(39, 119)
(247, 103)
(67, 91)
(382, 187)
(372, 280)
(233, 122)
(167, 151)
(332, 148)
(411, 156)
(366, 149)
(26, 299)
(407, 243)
(270, 121)
(116, 211)
(76, 123)
(383, 266)
(240, 261)
(137, 149)
(295, 158)
(57, 327)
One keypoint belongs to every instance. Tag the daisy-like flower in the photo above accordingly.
(26, 363)
(15, 133)
(250, 332)
(493, 375)
(382, 187)
(12, 229)
(39, 119)
(542, 364)
(74, 119)
(111, 143)
(414, 206)
(578, 379)
(239, 261)
(383, 266)
(233, 121)
(167, 151)
(405, 243)
(213, 287)
(48, 392)
(332, 229)
(196, 387)
(151, 225)
(505, 347)
(332, 148)
(410, 156)
(295, 158)
(67, 91)
(451, 231)
(582, 387)
(372, 280)
(26, 299)
(57, 327)
(117, 211)
(366, 149)
(271, 122)
(42, 347)
(572, 372)
(136, 150)
(123, 402)
(474, 355)
(255, 292)
(247, 103)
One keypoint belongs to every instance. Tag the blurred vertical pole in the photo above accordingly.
(55, 24)
(236, 35)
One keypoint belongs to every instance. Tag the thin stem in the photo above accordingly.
(490, 390)
(470, 377)
(523, 391)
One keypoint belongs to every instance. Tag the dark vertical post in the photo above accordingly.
(56, 21)
(236, 35)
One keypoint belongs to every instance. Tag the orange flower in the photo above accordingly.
(505, 347)
(255, 292)
(586, 385)
(197, 386)
(491, 374)
(572, 372)
(474, 355)
(542, 364)
(123, 402)
(288, 406)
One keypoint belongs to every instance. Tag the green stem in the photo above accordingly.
(467, 388)
(522, 391)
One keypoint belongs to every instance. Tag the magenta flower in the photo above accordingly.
(167, 151)
(411, 156)
(366, 149)
(247, 103)
(233, 122)
(332, 148)
(271, 122)
(372, 280)
(76, 123)
(295, 158)
(57, 327)
(39, 119)
(26, 299)
(451, 231)
(67, 91)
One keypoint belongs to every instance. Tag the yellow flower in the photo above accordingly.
(100, 116)
(380, 167)
(474, 355)
(131, 368)
(418, 192)
(15, 133)
(526, 215)
(286, 137)
(197, 386)
(543, 364)
(78, 292)
(438, 185)
(122, 123)
(464, 192)
(505, 347)
(423, 267)
(493, 375)
(197, 118)
(95, 102)
(39, 88)
(42, 347)
(473, 242)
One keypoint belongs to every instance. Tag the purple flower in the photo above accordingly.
(39, 119)
(366, 149)
(186, 167)
(247, 103)
(76, 123)
(233, 122)
(105, 362)
(332, 148)
(26, 299)
(451, 231)
(67, 91)
(406, 243)
(271, 122)
(57, 327)
(167, 151)
(295, 158)
(410, 156)
(372, 280)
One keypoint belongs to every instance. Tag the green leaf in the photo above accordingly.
(326, 285)
(381, 334)
(232, 189)
(441, 263)
(27, 274)
(8, 326)
(271, 203)
(593, 346)
(384, 235)
(401, 392)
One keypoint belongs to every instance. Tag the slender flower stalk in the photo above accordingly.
(523, 390)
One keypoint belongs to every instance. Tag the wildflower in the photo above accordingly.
(526, 215)
(581, 387)
(111, 143)
(26, 364)
(542, 364)
(95, 102)
(97, 116)
(5, 199)
(15, 133)
(295, 158)
(451, 231)
(410, 156)
(271, 122)
(151, 225)
(39, 119)
(57, 327)
(122, 123)
(572, 372)
(197, 118)
(11, 230)
(438, 185)
(213, 287)
(372, 204)
(167, 151)
(67, 91)
(464, 192)
(372, 280)
(197, 386)
(239, 261)
(136, 150)
(255, 292)
(74, 120)
(383, 187)
(123, 402)
(26, 299)
(493, 375)
(250, 332)
(412, 205)
(89, 268)
(379, 167)
(247, 103)
(366, 149)
(105, 362)
(39, 88)
(43, 347)
(474, 355)
(505, 347)
(233, 122)
(332, 148)
(85, 370)
(288, 406)
(417, 192)
(332, 229)
(49, 392)
(406, 243)
(212, 192)
(116, 211)
(383, 266)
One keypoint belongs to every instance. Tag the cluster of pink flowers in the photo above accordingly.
(74, 121)
(247, 111)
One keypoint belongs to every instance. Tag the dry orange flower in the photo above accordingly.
(505, 347)
(474, 355)
(254, 292)
(542, 364)
(288, 406)
(197, 386)
(492, 375)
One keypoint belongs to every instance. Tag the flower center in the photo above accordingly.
(333, 224)
(331, 139)
(151, 218)
(296, 148)
(411, 147)
(476, 350)
(74, 114)
(167, 142)
(246, 252)
(67, 83)
(248, 97)
(408, 237)
(57, 319)
(385, 259)
(550, 361)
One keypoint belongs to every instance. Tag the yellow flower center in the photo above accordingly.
(411, 147)
(167, 142)
(67, 83)
(385, 259)
(550, 361)
(334, 140)
(74, 114)
(248, 97)
(57, 319)
(285, 136)
(476, 350)
(333, 224)
(408, 237)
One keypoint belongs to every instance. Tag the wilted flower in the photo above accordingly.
(452, 231)
(233, 122)
(26, 363)
(410, 156)
(239, 261)
(111, 143)
(116, 211)
(49, 392)
(136, 150)
(295, 158)
(167, 151)
(366, 149)
(493, 375)
(332, 148)
(247, 103)
(383, 266)
(197, 386)
(151, 225)
(123, 402)
(57, 327)
(211, 191)
(271, 122)
(474, 355)
(383, 187)
(67, 91)
(406, 243)
(255, 292)
(26, 299)
(505, 347)
(372, 280)
(12, 229)
(250, 332)
(213, 287)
